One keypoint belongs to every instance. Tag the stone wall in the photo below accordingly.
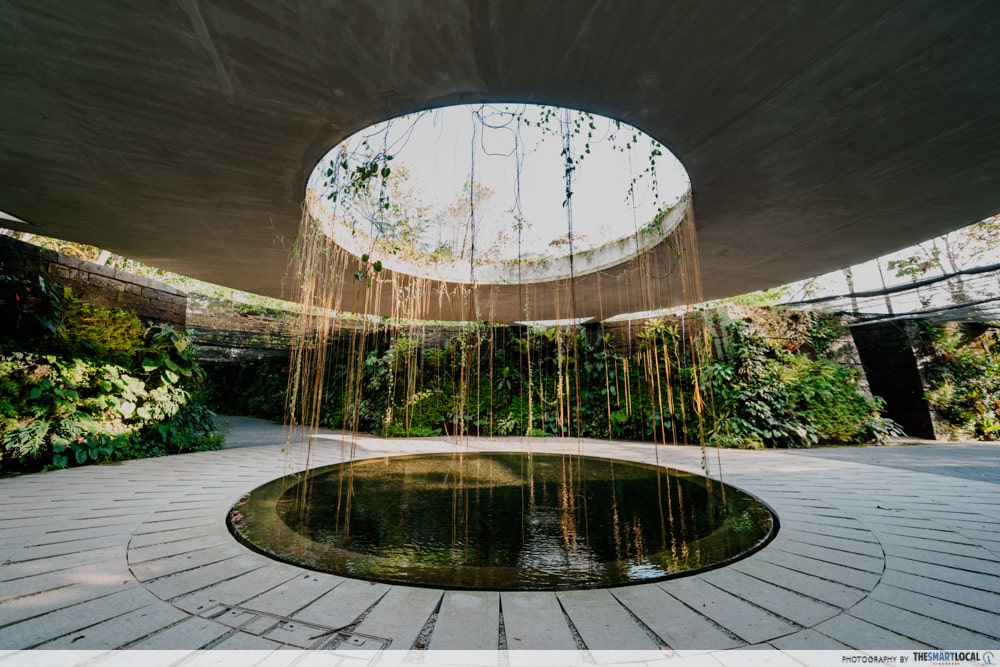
(150, 300)
(224, 332)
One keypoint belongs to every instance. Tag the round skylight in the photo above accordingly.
(497, 193)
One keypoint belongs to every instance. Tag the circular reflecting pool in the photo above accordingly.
(502, 521)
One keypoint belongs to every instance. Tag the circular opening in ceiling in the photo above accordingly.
(502, 521)
(498, 193)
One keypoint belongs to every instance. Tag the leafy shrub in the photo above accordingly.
(770, 383)
(828, 397)
(100, 333)
(963, 371)
(31, 310)
(95, 386)
(751, 395)
(254, 388)
(766, 394)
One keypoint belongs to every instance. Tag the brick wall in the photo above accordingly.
(150, 300)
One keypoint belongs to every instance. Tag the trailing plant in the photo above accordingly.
(768, 384)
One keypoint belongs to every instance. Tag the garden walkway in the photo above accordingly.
(890, 548)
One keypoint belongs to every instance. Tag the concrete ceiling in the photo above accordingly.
(816, 134)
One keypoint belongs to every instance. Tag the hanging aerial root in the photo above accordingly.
(656, 378)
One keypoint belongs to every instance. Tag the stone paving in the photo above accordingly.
(869, 556)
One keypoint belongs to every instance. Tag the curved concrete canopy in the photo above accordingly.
(816, 134)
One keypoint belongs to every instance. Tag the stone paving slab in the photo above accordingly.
(953, 613)
(344, 604)
(111, 560)
(729, 610)
(188, 581)
(236, 590)
(535, 620)
(35, 629)
(137, 555)
(800, 609)
(902, 620)
(831, 592)
(677, 624)
(169, 524)
(810, 531)
(857, 633)
(168, 536)
(468, 620)
(960, 548)
(603, 622)
(993, 546)
(983, 562)
(147, 570)
(244, 641)
(299, 635)
(61, 580)
(838, 544)
(74, 537)
(933, 533)
(116, 522)
(120, 630)
(401, 615)
(840, 557)
(938, 572)
(16, 569)
(191, 633)
(153, 552)
(807, 640)
(969, 461)
(824, 568)
(293, 595)
(944, 590)
(53, 600)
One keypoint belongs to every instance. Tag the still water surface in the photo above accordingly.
(505, 521)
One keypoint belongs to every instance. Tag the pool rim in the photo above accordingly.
(760, 545)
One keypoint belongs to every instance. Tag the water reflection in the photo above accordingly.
(501, 521)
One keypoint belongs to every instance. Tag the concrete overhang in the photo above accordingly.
(815, 134)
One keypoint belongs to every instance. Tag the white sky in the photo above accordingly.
(876, 274)
(437, 147)
(8, 216)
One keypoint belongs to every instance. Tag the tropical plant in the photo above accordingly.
(962, 368)
(770, 383)
(96, 386)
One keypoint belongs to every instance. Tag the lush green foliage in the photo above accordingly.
(963, 371)
(766, 394)
(769, 383)
(253, 388)
(80, 383)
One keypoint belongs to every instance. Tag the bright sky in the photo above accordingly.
(8, 216)
(442, 147)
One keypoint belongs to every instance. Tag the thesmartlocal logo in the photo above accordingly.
(954, 657)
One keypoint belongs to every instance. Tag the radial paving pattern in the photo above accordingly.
(138, 556)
